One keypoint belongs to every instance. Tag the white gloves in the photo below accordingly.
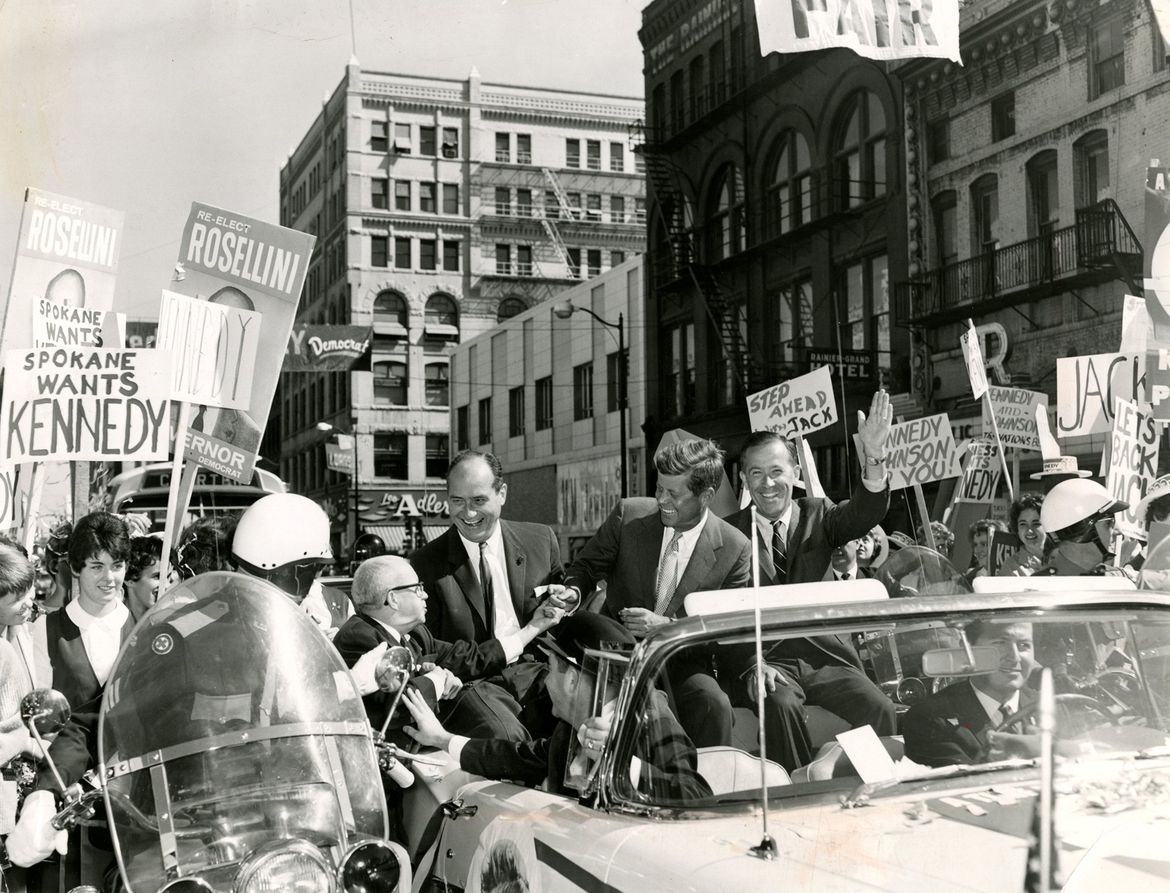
(34, 838)
(363, 670)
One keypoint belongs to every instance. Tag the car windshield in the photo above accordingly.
(915, 688)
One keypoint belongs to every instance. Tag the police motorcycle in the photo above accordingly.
(235, 755)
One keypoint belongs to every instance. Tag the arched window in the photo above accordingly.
(1091, 155)
(859, 152)
(441, 320)
(725, 234)
(790, 184)
(984, 214)
(389, 383)
(436, 384)
(390, 307)
(509, 307)
(1043, 193)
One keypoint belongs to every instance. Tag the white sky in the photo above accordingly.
(148, 105)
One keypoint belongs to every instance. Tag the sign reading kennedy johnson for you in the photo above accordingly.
(921, 451)
(85, 404)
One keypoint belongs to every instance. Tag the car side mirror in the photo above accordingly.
(46, 710)
(959, 662)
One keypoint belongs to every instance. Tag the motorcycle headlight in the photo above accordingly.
(373, 866)
(285, 866)
(187, 885)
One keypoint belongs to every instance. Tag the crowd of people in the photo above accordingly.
(497, 623)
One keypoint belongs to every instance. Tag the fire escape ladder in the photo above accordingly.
(725, 315)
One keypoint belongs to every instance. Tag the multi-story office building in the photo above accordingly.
(441, 207)
(776, 223)
(544, 392)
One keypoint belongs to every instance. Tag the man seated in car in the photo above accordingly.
(665, 763)
(962, 723)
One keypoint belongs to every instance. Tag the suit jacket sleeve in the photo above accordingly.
(935, 739)
(467, 660)
(858, 515)
(75, 748)
(597, 558)
(355, 638)
(523, 761)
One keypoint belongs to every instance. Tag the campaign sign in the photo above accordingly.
(1133, 463)
(62, 325)
(1135, 324)
(326, 348)
(973, 356)
(1015, 416)
(85, 404)
(67, 254)
(11, 503)
(1001, 547)
(795, 407)
(921, 451)
(244, 263)
(981, 476)
(1087, 386)
(1158, 383)
(214, 346)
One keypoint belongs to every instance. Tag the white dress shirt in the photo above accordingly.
(101, 636)
(505, 623)
(686, 545)
(997, 712)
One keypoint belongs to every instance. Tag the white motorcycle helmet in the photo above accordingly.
(283, 538)
(1071, 508)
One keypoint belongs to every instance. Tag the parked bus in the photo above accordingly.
(145, 490)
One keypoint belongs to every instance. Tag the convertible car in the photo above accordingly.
(1071, 791)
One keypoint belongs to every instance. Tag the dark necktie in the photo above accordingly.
(779, 553)
(485, 584)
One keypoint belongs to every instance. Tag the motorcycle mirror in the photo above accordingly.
(394, 668)
(46, 710)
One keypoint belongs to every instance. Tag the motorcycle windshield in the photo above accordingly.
(230, 721)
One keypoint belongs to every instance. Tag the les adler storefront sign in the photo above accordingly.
(386, 507)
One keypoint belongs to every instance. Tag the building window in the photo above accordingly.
(617, 157)
(593, 207)
(984, 214)
(617, 258)
(390, 307)
(725, 220)
(426, 198)
(516, 412)
(503, 201)
(378, 248)
(1003, 117)
(583, 392)
(677, 103)
(379, 197)
(524, 148)
(1091, 155)
(523, 260)
(1106, 56)
(450, 142)
(678, 367)
(426, 141)
(1158, 45)
(617, 209)
(504, 147)
(451, 255)
(593, 261)
(438, 454)
(510, 307)
(865, 324)
(390, 456)
(389, 383)
(524, 202)
(437, 389)
(640, 210)
(450, 198)
(441, 311)
(698, 79)
(485, 420)
(1043, 194)
(572, 153)
(860, 156)
(796, 319)
(544, 403)
(462, 424)
(426, 254)
(593, 155)
(504, 260)
(938, 140)
(402, 143)
(402, 253)
(574, 205)
(574, 270)
(613, 380)
(790, 192)
(946, 232)
(401, 195)
(723, 384)
(379, 141)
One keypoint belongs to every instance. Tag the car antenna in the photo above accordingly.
(1042, 854)
(766, 848)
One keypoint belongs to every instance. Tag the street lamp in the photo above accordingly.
(327, 427)
(564, 310)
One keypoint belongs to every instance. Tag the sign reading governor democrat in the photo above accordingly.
(85, 404)
(245, 264)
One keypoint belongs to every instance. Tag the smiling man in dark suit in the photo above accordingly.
(652, 553)
(483, 575)
(797, 538)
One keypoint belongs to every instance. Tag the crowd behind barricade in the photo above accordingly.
(497, 625)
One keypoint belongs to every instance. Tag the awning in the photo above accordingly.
(394, 535)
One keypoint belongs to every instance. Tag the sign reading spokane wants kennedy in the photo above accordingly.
(253, 266)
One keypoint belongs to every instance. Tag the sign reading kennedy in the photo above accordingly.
(326, 348)
(876, 29)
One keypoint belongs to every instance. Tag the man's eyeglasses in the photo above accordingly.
(417, 588)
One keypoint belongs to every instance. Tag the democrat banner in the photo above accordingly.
(875, 29)
(85, 404)
(1087, 386)
(921, 451)
(1133, 463)
(246, 264)
(67, 256)
(981, 476)
(1015, 416)
(795, 407)
(326, 348)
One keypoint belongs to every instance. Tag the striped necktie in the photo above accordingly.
(667, 575)
(779, 552)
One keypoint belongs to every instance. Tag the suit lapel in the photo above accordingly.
(514, 563)
(794, 537)
(698, 568)
(647, 541)
(467, 579)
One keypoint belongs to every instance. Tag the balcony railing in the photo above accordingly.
(1101, 239)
